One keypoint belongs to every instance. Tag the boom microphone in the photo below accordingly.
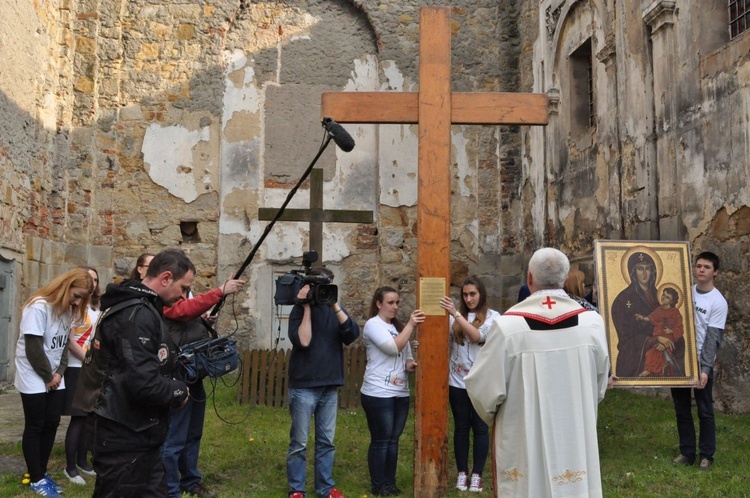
(339, 134)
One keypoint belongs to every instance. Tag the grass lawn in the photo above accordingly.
(637, 439)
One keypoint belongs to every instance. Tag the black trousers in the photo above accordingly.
(130, 475)
(41, 413)
(686, 427)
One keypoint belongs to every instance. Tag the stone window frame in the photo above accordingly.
(739, 17)
(583, 98)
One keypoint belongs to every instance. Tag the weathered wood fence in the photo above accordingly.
(264, 377)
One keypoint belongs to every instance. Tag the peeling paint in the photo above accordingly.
(168, 156)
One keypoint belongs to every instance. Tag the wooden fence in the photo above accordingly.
(264, 377)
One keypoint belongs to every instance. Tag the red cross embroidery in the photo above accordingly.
(549, 302)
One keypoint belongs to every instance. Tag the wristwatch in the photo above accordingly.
(456, 314)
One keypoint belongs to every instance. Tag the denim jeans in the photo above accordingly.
(386, 418)
(685, 426)
(182, 446)
(303, 404)
(466, 418)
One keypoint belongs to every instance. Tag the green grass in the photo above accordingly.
(637, 438)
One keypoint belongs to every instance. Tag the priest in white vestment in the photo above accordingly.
(538, 380)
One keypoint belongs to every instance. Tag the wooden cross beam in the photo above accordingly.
(316, 215)
(434, 108)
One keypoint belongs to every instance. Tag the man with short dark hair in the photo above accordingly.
(316, 370)
(710, 319)
(132, 360)
(538, 381)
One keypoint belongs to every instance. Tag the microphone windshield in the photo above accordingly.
(342, 137)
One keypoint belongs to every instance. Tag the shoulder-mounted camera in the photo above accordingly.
(322, 291)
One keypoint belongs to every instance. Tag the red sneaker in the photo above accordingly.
(335, 493)
(297, 494)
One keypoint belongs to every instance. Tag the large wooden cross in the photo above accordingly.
(316, 215)
(434, 108)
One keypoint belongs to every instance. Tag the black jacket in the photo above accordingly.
(133, 356)
(321, 363)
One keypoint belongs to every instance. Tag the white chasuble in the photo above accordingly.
(539, 379)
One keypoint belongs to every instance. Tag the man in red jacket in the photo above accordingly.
(182, 446)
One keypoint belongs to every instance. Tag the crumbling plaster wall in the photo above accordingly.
(667, 159)
(278, 54)
(151, 118)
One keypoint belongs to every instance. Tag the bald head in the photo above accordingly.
(548, 269)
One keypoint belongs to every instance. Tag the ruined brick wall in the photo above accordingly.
(160, 124)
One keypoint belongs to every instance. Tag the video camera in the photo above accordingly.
(322, 291)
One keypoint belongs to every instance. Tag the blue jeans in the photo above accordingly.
(466, 418)
(386, 418)
(685, 426)
(182, 446)
(303, 404)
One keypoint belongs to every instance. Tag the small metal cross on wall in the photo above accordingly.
(316, 215)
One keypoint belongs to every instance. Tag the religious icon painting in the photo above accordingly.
(646, 301)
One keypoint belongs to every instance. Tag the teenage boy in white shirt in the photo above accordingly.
(710, 319)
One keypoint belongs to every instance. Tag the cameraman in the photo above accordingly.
(316, 369)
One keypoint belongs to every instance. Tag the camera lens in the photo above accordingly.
(326, 294)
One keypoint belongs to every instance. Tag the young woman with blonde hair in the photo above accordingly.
(41, 359)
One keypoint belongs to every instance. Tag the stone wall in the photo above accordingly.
(666, 159)
(131, 127)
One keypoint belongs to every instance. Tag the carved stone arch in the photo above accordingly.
(558, 39)
(599, 12)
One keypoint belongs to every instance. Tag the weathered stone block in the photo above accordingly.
(77, 254)
(100, 257)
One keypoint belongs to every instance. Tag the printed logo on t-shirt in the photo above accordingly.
(59, 342)
(397, 381)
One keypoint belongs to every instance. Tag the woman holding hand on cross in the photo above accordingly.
(468, 331)
(385, 387)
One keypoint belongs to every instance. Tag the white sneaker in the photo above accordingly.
(75, 479)
(90, 473)
(461, 481)
(476, 483)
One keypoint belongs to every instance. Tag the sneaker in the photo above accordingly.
(395, 491)
(476, 483)
(76, 479)
(200, 490)
(43, 488)
(52, 483)
(297, 494)
(682, 460)
(88, 472)
(705, 464)
(335, 493)
(461, 481)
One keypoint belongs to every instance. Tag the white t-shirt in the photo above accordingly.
(82, 335)
(385, 375)
(38, 318)
(463, 356)
(710, 311)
